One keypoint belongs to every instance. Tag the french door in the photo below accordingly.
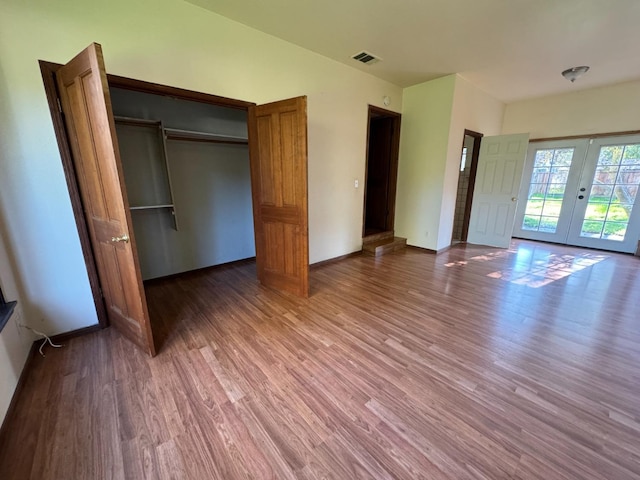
(582, 192)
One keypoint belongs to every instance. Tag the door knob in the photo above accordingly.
(514, 199)
(582, 189)
(580, 197)
(122, 238)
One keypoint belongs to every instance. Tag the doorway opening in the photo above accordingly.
(124, 84)
(88, 136)
(582, 192)
(466, 185)
(383, 145)
(186, 172)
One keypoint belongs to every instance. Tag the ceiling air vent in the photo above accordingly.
(366, 58)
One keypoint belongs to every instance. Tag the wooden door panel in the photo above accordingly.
(278, 138)
(283, 236)
(288, 163)
(268, 175)
(86, 105)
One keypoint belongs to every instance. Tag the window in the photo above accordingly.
(6, 309)
(463, 161)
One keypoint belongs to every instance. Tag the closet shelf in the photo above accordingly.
(189, 135)
(185, 135)
(149, 207)
(136, 121)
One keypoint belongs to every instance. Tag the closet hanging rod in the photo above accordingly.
(192, 136)
(149, 207)
(136, 121)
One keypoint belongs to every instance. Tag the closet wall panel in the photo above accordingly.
(144, 168)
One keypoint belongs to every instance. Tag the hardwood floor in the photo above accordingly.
(477, 363)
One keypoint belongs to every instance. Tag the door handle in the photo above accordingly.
(580, 197)
(582, 189)
(514, 199)
(122, 238)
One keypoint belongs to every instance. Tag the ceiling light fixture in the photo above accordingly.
(573, 73)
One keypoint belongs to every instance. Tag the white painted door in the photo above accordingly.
(607, 209)
(550, 182)
(582, 192)
(496, 190)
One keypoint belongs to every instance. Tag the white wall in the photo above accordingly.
(424, 140)
(473, 110)
(173, 43)
(15, 341)
(614, 108)
(435, 115)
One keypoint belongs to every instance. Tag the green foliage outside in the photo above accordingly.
(616, 172)
(543, 215)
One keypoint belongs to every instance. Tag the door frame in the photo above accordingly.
(477, 139)
(48, 71)
(392, 178)
(568, 230)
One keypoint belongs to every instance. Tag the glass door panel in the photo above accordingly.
(551, 175)
(608, 216)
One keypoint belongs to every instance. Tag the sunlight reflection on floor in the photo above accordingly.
(535, 270)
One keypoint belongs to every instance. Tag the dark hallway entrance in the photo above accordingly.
(382, 170)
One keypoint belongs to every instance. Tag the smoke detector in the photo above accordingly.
(366, 58)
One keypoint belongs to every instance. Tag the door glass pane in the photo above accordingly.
(531, 222)
(546, 189)
(614, 230)
(625, 194)
(610, 155)
(596, 211)
(548, 224)
(600, 194)
(613, 193)
(631, 155)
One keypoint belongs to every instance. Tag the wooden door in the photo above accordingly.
(278, 151)
(86, 105)
(495, 194)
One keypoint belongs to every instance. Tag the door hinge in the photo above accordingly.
(59, 105)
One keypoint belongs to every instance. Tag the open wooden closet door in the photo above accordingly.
(86, 105)
(278, 151)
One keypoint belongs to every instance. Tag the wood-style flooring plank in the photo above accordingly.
(477, 363)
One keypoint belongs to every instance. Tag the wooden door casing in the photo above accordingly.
(86, 105)
(278, 153)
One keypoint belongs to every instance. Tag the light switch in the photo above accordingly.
(355, 183)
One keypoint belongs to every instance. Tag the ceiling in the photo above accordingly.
(512, 49)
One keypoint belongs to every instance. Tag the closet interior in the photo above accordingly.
(186, 170)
